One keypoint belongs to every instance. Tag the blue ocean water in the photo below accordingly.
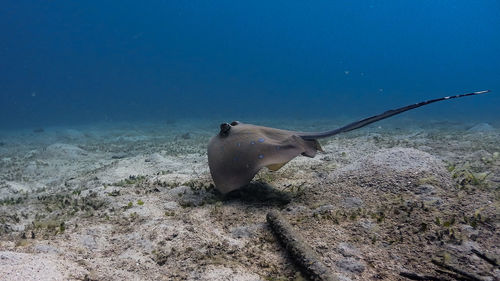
(76, 62)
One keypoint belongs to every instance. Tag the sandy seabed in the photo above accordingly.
(136, 202)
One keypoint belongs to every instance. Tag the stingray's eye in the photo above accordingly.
(234, 123)
(224, 129)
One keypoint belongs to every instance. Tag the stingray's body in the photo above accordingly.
(235, 160)
(240, 150)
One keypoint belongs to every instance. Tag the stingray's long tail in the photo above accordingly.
(387, 114)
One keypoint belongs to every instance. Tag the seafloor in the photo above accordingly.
(136, 202)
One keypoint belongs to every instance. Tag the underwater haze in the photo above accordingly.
(80, 62)
(116, 161)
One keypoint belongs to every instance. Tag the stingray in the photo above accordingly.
(240, 150)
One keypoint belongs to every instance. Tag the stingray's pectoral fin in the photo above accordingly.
(275, 167)
(317, 145)
(311, 147)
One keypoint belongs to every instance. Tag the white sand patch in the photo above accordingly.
(221, 273)
(481, 128)
(16, 187)
(181, 168)
(36, 267)
(398, 159)
(63, 150)
(406, 159)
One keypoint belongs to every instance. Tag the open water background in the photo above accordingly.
(80, 62)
